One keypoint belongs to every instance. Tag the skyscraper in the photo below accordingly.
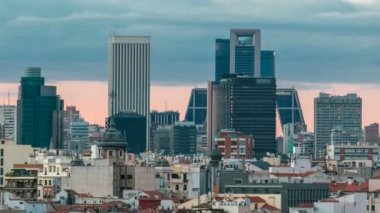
(163, 118)
(331, 111)
(133, 128)
(197, 106)
(246, 104)
(371, 133)
(222, 58)
(184, 138)
(129, 76)
(241, 57)
(36, 106)
(244, 98)
(8, 121)
(289, 107)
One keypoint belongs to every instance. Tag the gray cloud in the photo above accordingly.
(315, 41)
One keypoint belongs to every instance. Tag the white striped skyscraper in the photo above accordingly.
(129, 76)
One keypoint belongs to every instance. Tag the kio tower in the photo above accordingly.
(129, 76)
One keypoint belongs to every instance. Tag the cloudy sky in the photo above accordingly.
(318, 43)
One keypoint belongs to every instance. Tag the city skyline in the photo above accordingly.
(342, 70)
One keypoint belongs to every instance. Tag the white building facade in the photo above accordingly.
(129, 76)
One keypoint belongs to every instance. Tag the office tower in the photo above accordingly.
(289, 107)
(70, 114)
(184, 138)
(129, 78)
(331, 111)
(371, 133)
(245, 52)
(35, 106)
(233, 144)
(222, 58)
(8, 121)
(133, 128)
(246, 104)
(57, 138)
(241, 57)
(340, 135)
(163, 118)
(79, 135)
(163, 140)
(197, 106)
(268, 63)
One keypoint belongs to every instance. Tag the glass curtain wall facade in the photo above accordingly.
(197, 107)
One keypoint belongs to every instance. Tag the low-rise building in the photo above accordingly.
(234, 144)
(22, 181)
(8, 157)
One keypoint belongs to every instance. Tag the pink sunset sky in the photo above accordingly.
(90, 97)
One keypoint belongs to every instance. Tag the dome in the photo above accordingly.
(112, 137)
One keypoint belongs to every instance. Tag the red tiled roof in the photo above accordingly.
(256, 199)
(305, 205)
(269, 207)
(27, 166)
(345, 187)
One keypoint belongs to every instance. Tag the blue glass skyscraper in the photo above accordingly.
(244, 59)
(222, 58)
(289, 107)
(197, 107)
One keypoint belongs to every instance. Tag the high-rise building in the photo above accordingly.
(79, 136)
(70, 114)
(241, 57)
(129, 77)
(163, 118)
(371, 133)
(197, 107)
(331, 111)
(133, 128)
(340, 135)
(36, 105)
(246, 104)
(184, 138)
(163, 140)
(8, 121)
(222, 58)
(289, 107)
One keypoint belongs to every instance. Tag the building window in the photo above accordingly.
(121, 153)
(45, 182)
(184, 187)
(122, 177)
(177, 187)
(238, 181)
(110, 153)
(129, 177)
(2, 162)
(1, 152)
(49, 182)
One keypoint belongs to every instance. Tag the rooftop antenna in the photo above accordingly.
(112, 95)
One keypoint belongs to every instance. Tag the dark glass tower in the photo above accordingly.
(37, 105)
(133, 128)
(246, 104)
(244, 64)
(289, 107)
(184, 138)
(197, 107)
(267, 64)
(222, 58)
